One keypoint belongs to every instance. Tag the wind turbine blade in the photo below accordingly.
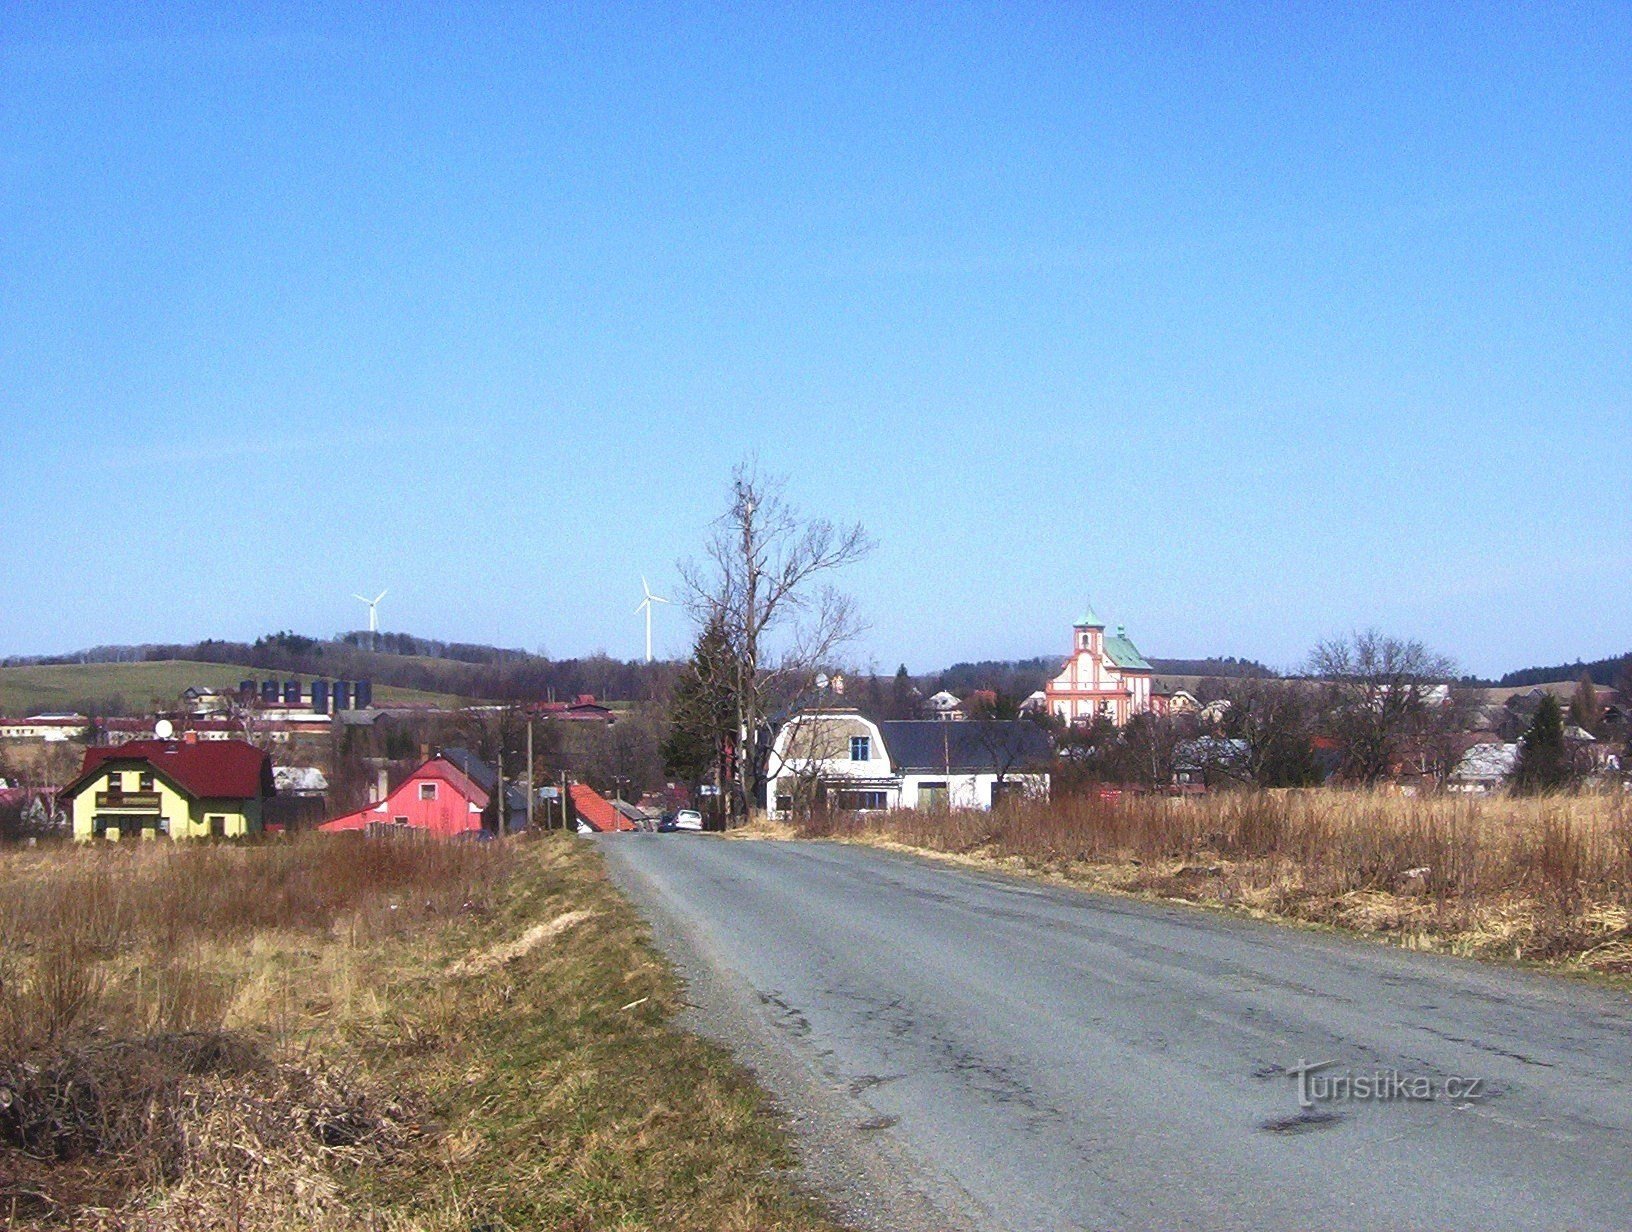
(641, 606)
(360, 598)
(379, 596)
(657, 599)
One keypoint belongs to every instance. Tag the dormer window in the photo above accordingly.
(861, 748)
(427, 791)
(116, 781)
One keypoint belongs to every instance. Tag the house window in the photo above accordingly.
(146, 780)
(427, 791)
(861, 801)
(932, 796)
(861, 748)
(116, 782)
(399, 820)
(218, 825)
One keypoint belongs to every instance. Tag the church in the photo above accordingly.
(1105, 678)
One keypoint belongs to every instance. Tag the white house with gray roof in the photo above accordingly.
(1105, 678)
(839, 759)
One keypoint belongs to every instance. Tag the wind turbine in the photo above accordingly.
(373, 617)
(646, 605)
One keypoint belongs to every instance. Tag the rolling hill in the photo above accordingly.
(135, 688)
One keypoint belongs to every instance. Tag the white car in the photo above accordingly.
(688, 819)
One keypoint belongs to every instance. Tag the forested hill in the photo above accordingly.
(1607, 672)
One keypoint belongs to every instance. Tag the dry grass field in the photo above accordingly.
(332, 1034)
(1544, 878)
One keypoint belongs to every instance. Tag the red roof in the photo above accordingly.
(225, 769)
(596, 810)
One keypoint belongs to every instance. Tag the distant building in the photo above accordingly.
(306, 781)
(840, 760)
(48, 728)
(1105, 678)
(942, 705)
(1169, 699)
(1484, 768)
(582, 709)
(170, 788)
(438, 799)
(594, 813)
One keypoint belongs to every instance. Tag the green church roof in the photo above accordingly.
(1089, 620)
(1122, 652)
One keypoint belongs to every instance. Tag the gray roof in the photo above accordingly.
(486, 777)
(971, 746)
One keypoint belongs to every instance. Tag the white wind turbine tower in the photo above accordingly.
(646, 606)
(373, 617)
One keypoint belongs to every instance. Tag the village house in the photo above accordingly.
(438, 799)
(177, 788)
(1105, 678)
(842, 760)
(942, 705)
(451, 795)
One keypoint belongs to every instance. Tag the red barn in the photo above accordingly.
(438, 798)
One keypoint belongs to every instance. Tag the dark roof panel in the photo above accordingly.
(970, 746)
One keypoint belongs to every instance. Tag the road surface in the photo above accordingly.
(970, 1050)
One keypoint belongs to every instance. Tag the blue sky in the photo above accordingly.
(1254, 324)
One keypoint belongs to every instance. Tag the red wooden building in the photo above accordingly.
(438, 798)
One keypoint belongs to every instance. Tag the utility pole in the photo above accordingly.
(502, 809)
(530, 792)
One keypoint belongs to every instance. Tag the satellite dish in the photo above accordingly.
(164, 729)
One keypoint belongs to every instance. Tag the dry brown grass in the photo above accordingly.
(138, 1051)
(1545, 878)
(346, 1035)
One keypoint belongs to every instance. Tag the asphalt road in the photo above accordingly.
(966, 1050)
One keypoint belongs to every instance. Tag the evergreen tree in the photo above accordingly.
(1544, 758)
(702, 715)
(902, 703)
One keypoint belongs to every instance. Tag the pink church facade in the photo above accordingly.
(1105, 678)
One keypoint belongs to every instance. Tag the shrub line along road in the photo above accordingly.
(966, 1049)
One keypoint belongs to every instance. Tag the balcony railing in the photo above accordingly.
(146, 801)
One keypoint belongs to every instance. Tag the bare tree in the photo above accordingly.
(765, 583)
(1379, 692)
(1271, 723)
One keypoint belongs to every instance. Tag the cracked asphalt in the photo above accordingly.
(959, 1049)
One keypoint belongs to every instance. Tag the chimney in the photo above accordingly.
(384, 784)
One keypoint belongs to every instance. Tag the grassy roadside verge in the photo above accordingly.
(1544, 880)
(481, 1042)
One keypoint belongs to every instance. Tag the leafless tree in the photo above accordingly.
(765, 581)
(1270, 723)
(1012, 747)
(1379, 692)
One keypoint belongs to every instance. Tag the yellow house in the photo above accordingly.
(170, 788)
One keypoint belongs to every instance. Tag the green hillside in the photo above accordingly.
(136, 688)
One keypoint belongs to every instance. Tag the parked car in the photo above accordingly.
(686, 820)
